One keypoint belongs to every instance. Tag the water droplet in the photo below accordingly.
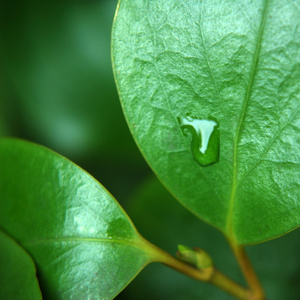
(205, 139)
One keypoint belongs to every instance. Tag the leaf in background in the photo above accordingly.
(17, 272)
(83, 243)
(235, 63)
(56, 65)
(277, 262)
(56, 57)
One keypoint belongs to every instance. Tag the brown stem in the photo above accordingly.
(211, 275)
(249, 273)
(229, 286)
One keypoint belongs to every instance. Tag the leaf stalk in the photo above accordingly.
(257, 292)
(211, 275)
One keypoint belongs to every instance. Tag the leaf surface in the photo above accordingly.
(82, 241)
(236, 63)
(17, 272)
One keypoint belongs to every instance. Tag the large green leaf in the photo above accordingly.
(83, 243)
(235, 63)
(277, 262)
(17, 272)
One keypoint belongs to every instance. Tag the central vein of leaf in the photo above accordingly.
(229, 225)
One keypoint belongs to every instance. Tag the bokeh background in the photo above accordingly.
(57, 89)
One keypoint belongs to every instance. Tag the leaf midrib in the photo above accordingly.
(135, 242)
(229, 224)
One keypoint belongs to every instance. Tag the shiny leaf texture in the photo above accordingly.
(233, 62)
(83, 243)
(277, 262)
(17, 272)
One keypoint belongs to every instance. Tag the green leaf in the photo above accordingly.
(277, 262)
(83, 243)
(17, 272)
(236, 63)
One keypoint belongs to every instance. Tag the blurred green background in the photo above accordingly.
(57, 89)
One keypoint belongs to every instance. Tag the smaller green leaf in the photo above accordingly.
(17, 272)
(195, 256)
(83, 243)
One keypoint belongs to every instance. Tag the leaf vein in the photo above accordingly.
(269, 146)
(229, 225)
(84, 240)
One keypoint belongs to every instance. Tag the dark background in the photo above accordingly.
(57, 89)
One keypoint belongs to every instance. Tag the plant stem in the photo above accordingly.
(211, 275)
(229, 286)
(248, 271)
